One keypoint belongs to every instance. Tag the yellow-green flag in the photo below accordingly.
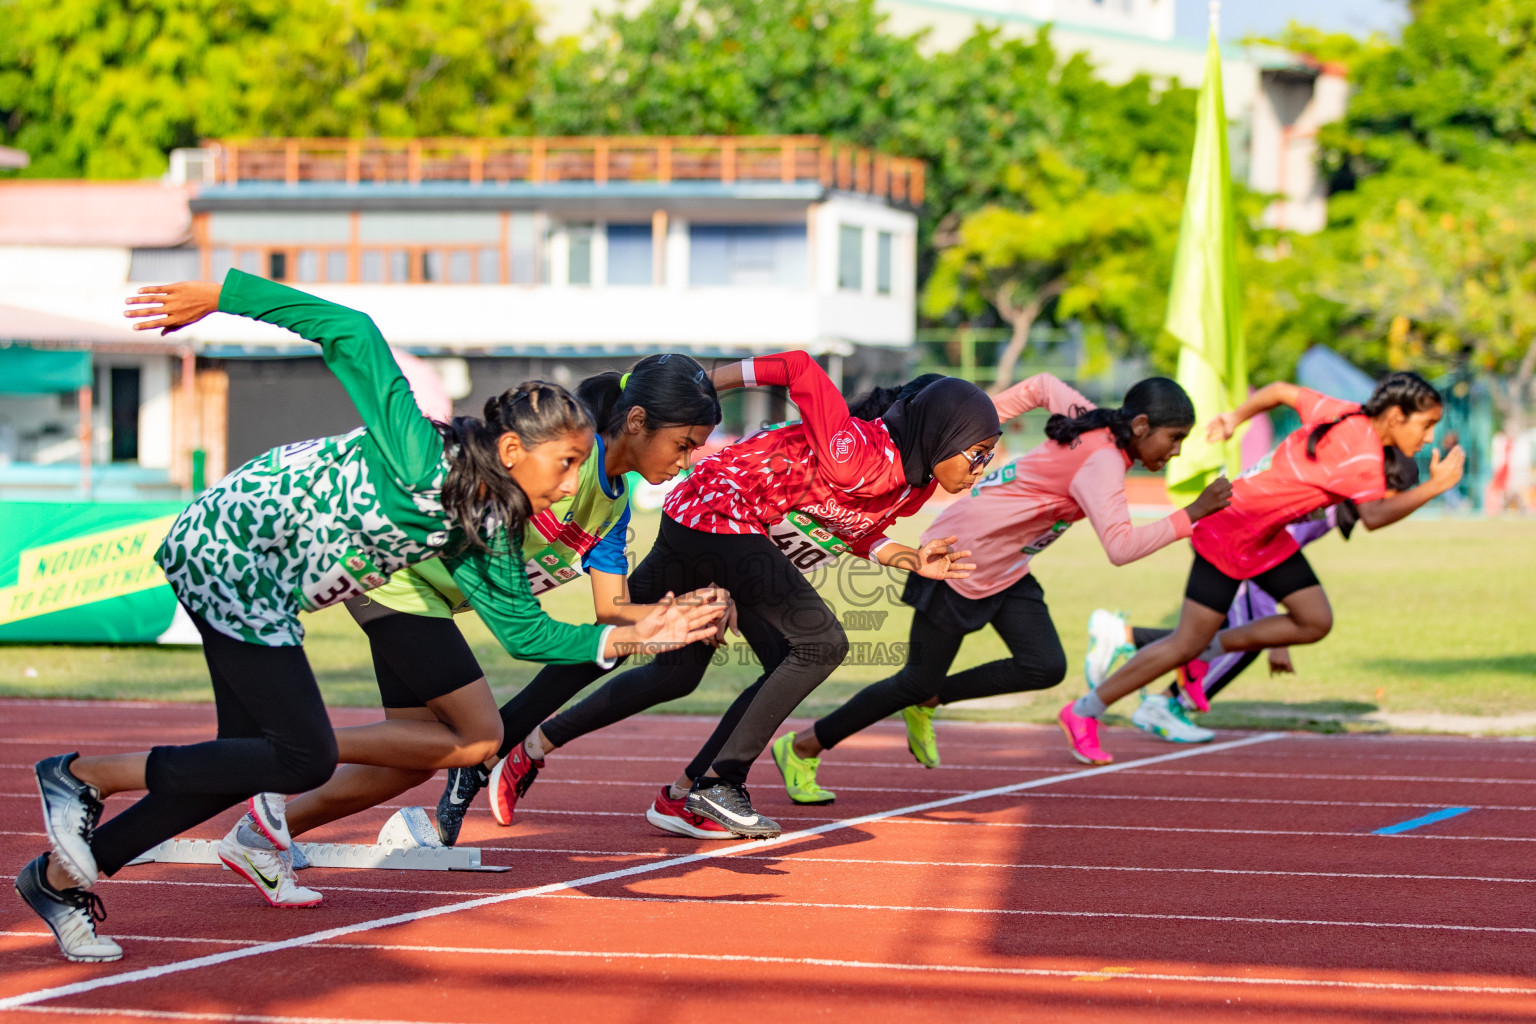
(1203, 301)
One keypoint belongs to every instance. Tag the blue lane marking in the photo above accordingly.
(1428, 819)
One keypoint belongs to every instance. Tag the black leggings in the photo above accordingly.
(794, 633)
(1021, 619)
(274, 736)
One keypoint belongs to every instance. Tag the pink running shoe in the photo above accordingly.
(1192, 684)
(1083, 735)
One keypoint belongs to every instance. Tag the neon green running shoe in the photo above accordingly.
(799, 773)
(920, 738)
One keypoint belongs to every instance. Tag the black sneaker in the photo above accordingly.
(728, 805)
(71, 914)
(71, 810)
(463, 785)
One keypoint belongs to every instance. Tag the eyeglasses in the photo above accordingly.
(980, 459)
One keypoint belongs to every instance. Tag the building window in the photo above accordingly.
(165, 265)
(221, 261)
(522, 237)
(629, 254)
(883, 243)
(372, 270)
(309, 266)
(461, 267)
(581, 256)
(399, 266)
(431, 267)
(336, 265)
(747, 255)
(490, 266)
(125, 413)
(850, 258)
(277, 266)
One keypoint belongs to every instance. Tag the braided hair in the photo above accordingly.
(1162, 401)
(480, 494)
(1406, 391)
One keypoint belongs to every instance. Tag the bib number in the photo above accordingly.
(806, 543)
(1004, 475)
(1047, 538)
(547, 570)
(348, 576)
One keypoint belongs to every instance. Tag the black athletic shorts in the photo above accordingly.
(1213, 588)
(416, 658)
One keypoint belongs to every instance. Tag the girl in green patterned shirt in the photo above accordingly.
(300, 528)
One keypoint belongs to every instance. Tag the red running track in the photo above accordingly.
(1236, 881)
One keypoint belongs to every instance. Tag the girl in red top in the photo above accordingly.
(1336, 454)
(854, 477)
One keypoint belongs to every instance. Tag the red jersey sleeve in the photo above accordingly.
(848, 452)
(1314, 407)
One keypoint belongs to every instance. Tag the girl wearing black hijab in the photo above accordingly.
(839, 482)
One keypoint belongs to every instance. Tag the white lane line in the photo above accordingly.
(793, 858)
(463, 952)
(1014, 912)
(127, 977)
(796, 858)
(1207, 831)
(1251, 800)
(1128, 797)
(233, 1018)
(1347, 778)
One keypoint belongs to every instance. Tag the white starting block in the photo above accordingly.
(397, 849)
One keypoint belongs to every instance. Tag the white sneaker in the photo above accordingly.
(1106, 643)
(267, 870)
(410, 829)
(1164, 717)
(269, 819)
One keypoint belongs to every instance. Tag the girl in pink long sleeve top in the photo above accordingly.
(1012, 515)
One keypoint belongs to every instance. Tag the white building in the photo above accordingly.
(1275, 100)
(499, 260)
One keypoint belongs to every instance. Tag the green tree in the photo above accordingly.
(103, 90)
(1078, 252)
(1429, 257)
(409, 68)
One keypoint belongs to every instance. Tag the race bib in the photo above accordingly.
(548, 570)
(997, 476)
(806, 543)
(1047, 538)
(348, 576)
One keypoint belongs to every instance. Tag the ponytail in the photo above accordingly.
(673, 390)
(1162, 401)
(872, 404)
(480, 493)
(1406, 391)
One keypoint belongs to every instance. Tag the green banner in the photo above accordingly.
(85, 573)
(31, 371)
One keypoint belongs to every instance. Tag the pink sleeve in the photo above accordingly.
(1314, 407)
(846, 450)
(1099, 490)
(1037, 392)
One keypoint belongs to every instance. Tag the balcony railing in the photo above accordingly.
(601, 160)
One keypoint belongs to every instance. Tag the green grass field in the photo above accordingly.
(1430, 617)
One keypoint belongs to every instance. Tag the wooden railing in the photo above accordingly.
(601, 160)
